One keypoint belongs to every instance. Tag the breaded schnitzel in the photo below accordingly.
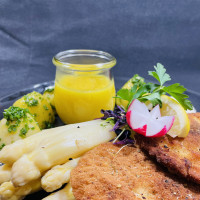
(110, 172)
(179, 155)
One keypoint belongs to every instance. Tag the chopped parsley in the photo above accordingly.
(23, 131)
(14, 113)
(13, 128)
(53, 107)
(45, 107)
(49, 90)
(152, 92)
(30, 101)
(2, 146)
(48, 124)
(103, 125)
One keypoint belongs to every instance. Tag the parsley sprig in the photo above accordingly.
(152, 92)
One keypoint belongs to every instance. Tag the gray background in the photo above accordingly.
(138, 33)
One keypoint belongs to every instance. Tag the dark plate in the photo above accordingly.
(7, 101)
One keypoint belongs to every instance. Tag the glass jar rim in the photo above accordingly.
(108, 61)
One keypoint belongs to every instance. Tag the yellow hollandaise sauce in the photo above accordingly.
(81, 98)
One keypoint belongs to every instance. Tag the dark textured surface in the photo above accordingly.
(137, 33)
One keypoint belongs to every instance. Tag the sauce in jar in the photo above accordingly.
(83, 89)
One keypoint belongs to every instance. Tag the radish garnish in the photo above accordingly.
(149, 124)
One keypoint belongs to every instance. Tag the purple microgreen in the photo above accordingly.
(125, 142)
(118, 136)
(118, 117)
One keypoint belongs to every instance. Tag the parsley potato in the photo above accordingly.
(38, 107)
(49, 96)
(17, 124)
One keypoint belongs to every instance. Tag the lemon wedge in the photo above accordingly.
(170, 107)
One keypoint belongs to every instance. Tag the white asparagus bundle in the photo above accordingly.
(58, 176)
(59, 148)
(9, 192)
(5, 173)
(64, 194)
(11, 153)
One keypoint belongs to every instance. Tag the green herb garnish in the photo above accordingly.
(23, 131)
(14, 113)
(48, 124)
(30, 101)
(49, 90)
(2, 146)
(110, 120)
(152, 92)
(45, 107)
(13, 128)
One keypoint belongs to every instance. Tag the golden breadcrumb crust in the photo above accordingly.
(180, 155)
(109, 172)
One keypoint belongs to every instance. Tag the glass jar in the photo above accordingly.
(83, 85)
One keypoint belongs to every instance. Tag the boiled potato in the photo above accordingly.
(17, 124)
(49, 96)
(38, 107)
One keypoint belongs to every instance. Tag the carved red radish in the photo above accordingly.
(149, 124)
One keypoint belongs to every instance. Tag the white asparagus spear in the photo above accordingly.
(9, 192)
(11, 153)
(5, 173)
(58, 176)
(59, 148)
(64, 194)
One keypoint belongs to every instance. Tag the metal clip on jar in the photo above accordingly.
(84, 84)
